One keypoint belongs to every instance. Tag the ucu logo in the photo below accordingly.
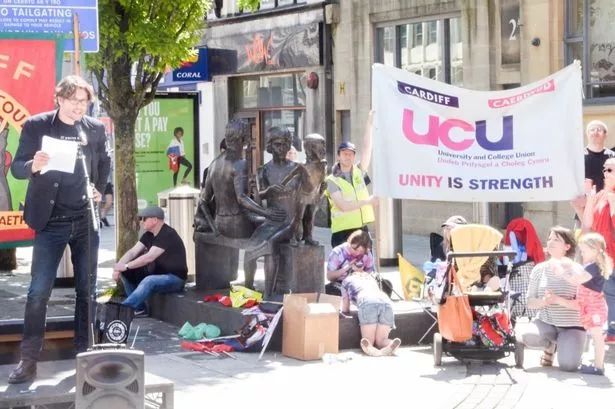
(440, 132)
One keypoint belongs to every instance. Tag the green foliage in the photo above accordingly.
(139, 41)
(249, 5)
(151, 35)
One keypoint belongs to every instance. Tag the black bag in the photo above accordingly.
(113, 323)
(385, 285)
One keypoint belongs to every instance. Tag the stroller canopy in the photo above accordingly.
(473, 238)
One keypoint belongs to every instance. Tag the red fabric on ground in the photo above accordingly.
(206, 347)
(222, 299)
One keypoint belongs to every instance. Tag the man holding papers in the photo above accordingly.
(56, 208)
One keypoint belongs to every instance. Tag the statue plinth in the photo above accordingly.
(216, 260)
(301, 269)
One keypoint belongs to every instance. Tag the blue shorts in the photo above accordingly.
(376, 313)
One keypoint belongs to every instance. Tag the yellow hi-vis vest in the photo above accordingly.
(351, 193)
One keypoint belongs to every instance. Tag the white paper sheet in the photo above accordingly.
(62, 154)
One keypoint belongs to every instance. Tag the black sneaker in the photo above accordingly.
(25, 371)
(105, 222)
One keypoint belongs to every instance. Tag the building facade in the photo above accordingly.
(476, 44)
(306, 65)
(271, 67)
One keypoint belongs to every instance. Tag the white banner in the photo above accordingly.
(434, 141)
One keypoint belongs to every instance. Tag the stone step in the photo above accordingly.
(411, 320)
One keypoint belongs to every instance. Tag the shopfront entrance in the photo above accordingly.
(271, 101)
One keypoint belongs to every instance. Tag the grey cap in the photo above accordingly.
(152, 211)
(454, 221)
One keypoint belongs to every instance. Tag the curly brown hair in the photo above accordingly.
(360, 238)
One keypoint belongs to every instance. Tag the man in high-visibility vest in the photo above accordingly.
(350, 202)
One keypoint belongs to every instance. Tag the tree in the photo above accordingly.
(139, 40)
(251, 5)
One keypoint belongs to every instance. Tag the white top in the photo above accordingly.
(175, 142)
(542, 278)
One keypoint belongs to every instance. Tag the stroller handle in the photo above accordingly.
(454, 254)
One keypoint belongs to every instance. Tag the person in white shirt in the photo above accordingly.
(176, 151)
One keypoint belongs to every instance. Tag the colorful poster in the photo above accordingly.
(154, 133)
(434, 141)
(27, 82)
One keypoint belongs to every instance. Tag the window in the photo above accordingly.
(270, 91)
(590, 38)
(386, 41)
(418, 34)
(432, 28)
(438, 57)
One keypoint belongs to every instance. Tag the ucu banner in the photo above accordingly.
(439, 132)
(427, 95)
(435, 141)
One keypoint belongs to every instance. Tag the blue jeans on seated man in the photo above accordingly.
(609, 296)
(154, 283)
(49, 246)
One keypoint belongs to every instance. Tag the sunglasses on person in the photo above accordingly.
(141, 218)
(607, 170)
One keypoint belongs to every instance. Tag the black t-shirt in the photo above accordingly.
(596, 283)
(71, 198)
(594, 163)
(173, 260)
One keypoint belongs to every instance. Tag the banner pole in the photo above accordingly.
(77, 62)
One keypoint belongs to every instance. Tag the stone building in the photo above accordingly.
(306, 64)
(477, 44)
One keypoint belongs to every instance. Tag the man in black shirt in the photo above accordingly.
(156, 264)
(56, 208)
(595, 153)
(595, 156)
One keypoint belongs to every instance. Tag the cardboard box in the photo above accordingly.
(311, 325)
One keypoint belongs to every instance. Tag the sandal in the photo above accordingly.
(546, 359)
(392, 347)
(591, 370)
(368, 348)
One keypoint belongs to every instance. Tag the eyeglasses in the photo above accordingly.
(76, 102)
(607, 170)
(598, 129)
(140, 218)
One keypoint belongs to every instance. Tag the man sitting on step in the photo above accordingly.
(156, 264)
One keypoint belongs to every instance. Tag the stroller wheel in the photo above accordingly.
(519, 354)
(437, 349)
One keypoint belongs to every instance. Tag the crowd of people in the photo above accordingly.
(565, 296)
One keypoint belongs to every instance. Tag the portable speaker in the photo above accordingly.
(110, 378)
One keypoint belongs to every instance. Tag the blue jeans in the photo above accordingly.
(49, 245)
(609, 296)
(371, 312)
(156, 283)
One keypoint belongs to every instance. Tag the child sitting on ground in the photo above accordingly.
(375, 311)
(590, 282)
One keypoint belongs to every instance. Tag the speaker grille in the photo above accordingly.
(133, 387)
(87, 389)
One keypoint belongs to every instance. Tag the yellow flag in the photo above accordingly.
(411, 278)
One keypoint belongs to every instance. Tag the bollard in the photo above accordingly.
(182, 202)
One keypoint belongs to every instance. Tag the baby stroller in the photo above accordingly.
(492, 336)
